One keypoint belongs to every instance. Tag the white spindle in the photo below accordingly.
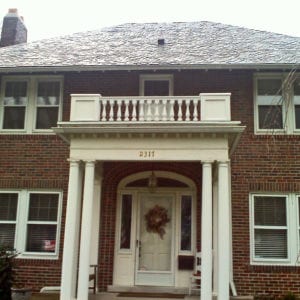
(126, 116)
(157, 110)
(188, 110)
(148, 111)
(180, 103)
(106, 107)
(119, 110)
(142, 110)
(134, 114)
(151, 110)
(110, 108)
(171, 110)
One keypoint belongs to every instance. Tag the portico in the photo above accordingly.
(208, 144)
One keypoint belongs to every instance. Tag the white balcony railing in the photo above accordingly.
(213, 107)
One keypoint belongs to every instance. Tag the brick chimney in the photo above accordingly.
(14, 30)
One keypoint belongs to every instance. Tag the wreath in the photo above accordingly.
(156, 219)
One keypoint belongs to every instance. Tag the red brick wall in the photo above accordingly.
(260, 163)
(35, 162)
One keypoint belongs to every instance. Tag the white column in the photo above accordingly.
(206, 232)
(86, 231)
(223, 232)
(71, 237)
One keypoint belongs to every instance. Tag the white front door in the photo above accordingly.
(155, 240)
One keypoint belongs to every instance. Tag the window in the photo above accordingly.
(42, 222)
(8, 218)
(47, 104)
(29, 222)
(297, 103)
(30, 103)
(275, 229)
(156, 85)
(15, 102)
(277, 105)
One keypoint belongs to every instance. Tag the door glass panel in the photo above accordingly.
(186, 223)
(125, 236)
(155, 243)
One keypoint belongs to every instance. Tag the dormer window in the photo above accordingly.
(30, 104)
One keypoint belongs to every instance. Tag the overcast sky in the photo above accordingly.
(49, 18)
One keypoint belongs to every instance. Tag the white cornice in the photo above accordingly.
(55, 69)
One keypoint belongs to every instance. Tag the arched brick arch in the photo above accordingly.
(113, 173)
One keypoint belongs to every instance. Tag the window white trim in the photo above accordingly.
(157, 77)
(22, 221)
(288, 111)
(292, 226)
(31, 107)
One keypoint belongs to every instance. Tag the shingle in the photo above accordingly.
(185, 44)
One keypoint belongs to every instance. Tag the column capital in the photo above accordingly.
(207, 162)
(90, 163)
(73, 161)
(223, 162)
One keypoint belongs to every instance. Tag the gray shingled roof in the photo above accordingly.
(189, 45)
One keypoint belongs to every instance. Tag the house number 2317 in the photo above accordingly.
(147, 154)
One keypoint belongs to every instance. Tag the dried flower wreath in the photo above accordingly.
(156, 219)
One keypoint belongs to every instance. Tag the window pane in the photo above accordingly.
(270, 243)
(156, 88)
(43, 207)
(186, 223)
(270, 211)
(41, 238)
(46, 117)
(14, 117)
(8, 206)
(297, 116)
(48, 93)
(125, 236)
(16, 89)
(270, 116)
(7, 235)
(297, 88)
(269, 86)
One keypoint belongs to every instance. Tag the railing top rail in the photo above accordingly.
(149, 97)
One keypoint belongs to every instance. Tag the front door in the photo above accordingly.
(155, 240)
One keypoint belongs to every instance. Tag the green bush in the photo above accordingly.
(290, 296)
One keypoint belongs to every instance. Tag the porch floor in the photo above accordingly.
(114, 296)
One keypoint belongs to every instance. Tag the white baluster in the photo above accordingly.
(111, 111)
(134, 113)
(164, 110)
(119, 110)
(148, 109)
(106, 107)
(171, 113)
(180, 103)
(152, 110)
(126, 116)
(157, 110)
(188, 111)
(141, 105)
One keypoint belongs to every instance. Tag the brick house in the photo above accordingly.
(136, 146)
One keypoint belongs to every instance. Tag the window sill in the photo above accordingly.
(41, 256)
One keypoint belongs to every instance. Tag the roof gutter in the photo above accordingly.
(206, 67)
